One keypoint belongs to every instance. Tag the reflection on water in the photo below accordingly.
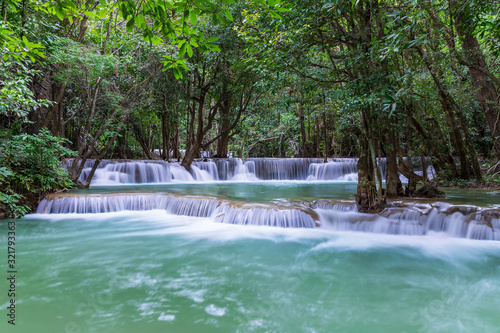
(289, 190)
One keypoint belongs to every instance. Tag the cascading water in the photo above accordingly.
(210, 251)
(338, 169)
(205, 171)
(282, 168)
(222, 211)
(244, 171)
(454, 221)
(403, 219)
(134, 172)
(234, 169)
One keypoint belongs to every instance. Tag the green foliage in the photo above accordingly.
(16, 99)
(309, 76)
(31, 163)
(17, 48)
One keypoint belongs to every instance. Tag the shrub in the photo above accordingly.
(30, 166)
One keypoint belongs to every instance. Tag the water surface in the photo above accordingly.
(154, 272)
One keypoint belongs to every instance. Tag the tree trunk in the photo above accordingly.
(300, 112)
(318, 140)
(484, 87)
(392, 178)
(457, 139)
(225, 124)
(165, 129)
(424, 168)
(366, 194)
(176, 147)
(164, 152)
(193, 148)
(222, 145)
(449, 105)
(325, 139)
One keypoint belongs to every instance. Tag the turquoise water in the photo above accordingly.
(287, 190)
(155, 272)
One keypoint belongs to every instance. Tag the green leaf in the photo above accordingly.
(193, 17)
(392, 109)
(60, 13)
(182, 51)
(177, 73)
(227, 13)
(139, 20)
(189, 50)
(130, 24)
(103, 13)
(213, 47)
(193, 42)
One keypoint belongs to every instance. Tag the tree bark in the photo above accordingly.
(225, 123)
(392, 178)
(366, 194)
(164, 152)
(485, 88)
(318, 140)
(300, 112)
(449, 105)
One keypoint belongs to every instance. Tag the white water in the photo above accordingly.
(155, 272)
(222, 211)
(254, 169)
(402, 219)
(343, 170)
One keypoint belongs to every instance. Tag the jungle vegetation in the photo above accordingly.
(263, 78)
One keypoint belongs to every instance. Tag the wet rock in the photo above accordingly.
(428, 191)
(3, 211)
(80, 185)
(464, 210)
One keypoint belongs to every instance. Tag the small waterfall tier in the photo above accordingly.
(345, 169)
(398, 219)
(413, 219)
(267, 215)
(222, 211)
(115, 172)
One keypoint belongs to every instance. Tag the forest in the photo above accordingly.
(179, 80)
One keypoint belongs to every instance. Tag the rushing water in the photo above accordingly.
(154, 272)
(195, 257)
(252, 169)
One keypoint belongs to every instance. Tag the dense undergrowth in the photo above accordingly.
(29, 168)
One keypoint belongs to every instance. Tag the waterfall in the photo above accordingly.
(111, 172)
(244, 171)
(93, 204)
(343, 170)
(266, 216)
(205, 171)
(114, 172)
(282, 168)
(221, 211)
(454, 221)
(400, 219)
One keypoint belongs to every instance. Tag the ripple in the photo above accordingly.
(215, 311)
(166, 317)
